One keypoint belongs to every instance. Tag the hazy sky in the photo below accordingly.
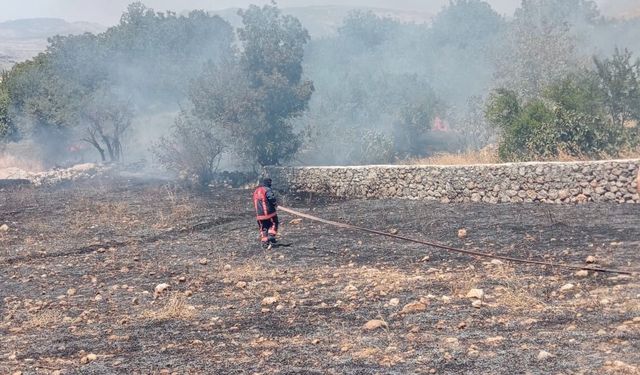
(107, 12)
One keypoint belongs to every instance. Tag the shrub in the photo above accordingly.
(191, 150)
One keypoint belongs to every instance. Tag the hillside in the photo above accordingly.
(23, 39)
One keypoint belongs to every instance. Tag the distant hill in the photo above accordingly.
(23, 39)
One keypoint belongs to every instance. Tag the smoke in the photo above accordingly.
(382, 84)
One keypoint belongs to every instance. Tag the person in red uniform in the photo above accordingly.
(265, 203)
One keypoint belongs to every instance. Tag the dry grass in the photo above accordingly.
(175, 308)
(487, 155)
(26, 164)
(42, 319)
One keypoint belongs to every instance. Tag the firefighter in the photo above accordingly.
(265, 203)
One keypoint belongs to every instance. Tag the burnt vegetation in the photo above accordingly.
(140, 277)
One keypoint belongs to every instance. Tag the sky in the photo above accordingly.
(107, 12)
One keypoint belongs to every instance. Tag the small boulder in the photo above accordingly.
(567, 287)
(582, 273)
(203, 261)
(590, 259)
(159, 289)
(4, 228)
(71, 292)
(268, 301)
(394, 302)
(374, 324)
(413, 307)
(543, 355)
(241, 284)
(462, 233)
(475, 293)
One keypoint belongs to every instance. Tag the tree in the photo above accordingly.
(367, 29)
(463, 40)
(569, 117)
(541, 45)
(255, 96)
(150, 58)
(619, 80)
(191, 150)
(108, 119)
(5, 121)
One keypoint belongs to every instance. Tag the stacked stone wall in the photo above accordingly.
(557, 182)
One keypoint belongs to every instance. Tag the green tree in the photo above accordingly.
(570, 117)
(619, 79)
(254, 97)
(5, 121)
(150, 58)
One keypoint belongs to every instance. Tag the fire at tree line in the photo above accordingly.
(556, 78)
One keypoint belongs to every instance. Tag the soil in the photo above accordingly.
(80, 265)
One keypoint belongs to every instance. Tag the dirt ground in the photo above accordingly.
(79, 266)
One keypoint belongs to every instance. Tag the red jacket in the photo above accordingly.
(265, 203)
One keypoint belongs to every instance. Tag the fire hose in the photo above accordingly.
(453, 249)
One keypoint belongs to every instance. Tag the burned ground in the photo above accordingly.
(80, 265)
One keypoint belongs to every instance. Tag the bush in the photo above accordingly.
(373, 148)
(569, 118)
(191, 150)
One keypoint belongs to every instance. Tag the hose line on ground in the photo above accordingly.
(452, 249)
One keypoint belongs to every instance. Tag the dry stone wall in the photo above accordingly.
(558, 182)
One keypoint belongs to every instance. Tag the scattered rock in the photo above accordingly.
(135, 301)
(71, 292)
(497, 262)
(375, 324)
(394, 231)
(188, 293)
(4, 228)
(88, 358)
(159, 289)
(567, 287)
(543, 355)
(350, 288)
(182, 279)
(97, 298)
(413, 307)
(227, 267)
(394, 302)
(477, 304)
(203, 261)
(475, 293)
(462, 233)
(495, 340)
(582, 273)
(297, 221)
(241, 284)
(268, 301)
(529, 322)
(591, 259)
